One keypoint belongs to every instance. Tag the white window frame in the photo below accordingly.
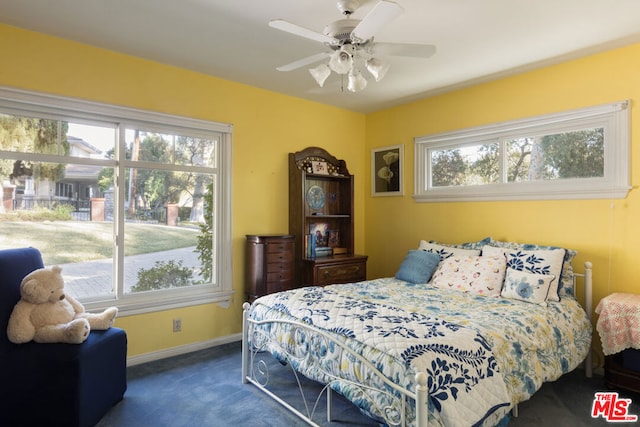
(615, 184)
(32, 104)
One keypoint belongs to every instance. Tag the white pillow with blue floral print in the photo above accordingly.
(543, 261)
(446, 251)
(565, 280)
(528, 287)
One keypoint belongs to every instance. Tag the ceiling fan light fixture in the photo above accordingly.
(351, 44)
(377, 67)
(356, 81)
(341, 61)
(320, 73)
(347, 7)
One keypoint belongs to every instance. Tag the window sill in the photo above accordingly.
(524, 192)
(130, 308)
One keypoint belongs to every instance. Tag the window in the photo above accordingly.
(579, 154)
(134, 205)
(64, 190)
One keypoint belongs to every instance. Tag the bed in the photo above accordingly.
(458, 337)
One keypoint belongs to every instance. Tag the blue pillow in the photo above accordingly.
(418, 266)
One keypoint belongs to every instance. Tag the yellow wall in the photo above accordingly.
(267, 126)
(605, 232)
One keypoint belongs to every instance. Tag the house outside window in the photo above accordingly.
(579, 154)
(133, 205)
(64, 190)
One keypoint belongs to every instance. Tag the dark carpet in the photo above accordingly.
(205, 388)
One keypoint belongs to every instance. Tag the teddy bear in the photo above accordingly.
(45, 314)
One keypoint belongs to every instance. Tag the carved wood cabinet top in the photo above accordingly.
(304, 158)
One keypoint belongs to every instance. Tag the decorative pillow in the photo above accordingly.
(528, 287)
(476, 274)
(565, 282)
(446, 251)
(467, 245)
(536, 262)
(418, 266)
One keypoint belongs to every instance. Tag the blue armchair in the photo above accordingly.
(54, 384)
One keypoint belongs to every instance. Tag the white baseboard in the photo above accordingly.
(184, 349)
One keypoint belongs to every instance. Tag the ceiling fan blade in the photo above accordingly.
(383, 13)
(304, 61)
(404, 49)
(283, 25)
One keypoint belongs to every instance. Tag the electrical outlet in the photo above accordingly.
(177, 325)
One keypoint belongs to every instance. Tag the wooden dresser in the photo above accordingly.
(269, 264)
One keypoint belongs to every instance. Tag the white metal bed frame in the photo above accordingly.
(256, 372)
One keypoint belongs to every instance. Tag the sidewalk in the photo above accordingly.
(93, 278)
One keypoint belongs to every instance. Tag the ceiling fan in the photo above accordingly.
(351, 45)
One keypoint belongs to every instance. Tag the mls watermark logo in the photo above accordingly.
(612, 408)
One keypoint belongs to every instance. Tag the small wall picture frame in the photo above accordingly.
(387, 168)
(319, 168)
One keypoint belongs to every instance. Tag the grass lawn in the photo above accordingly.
(64, 242)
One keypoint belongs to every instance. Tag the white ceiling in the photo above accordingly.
(477, 40)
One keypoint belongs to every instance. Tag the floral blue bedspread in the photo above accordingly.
(482, 355)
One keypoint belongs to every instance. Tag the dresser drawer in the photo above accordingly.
(279, 275)
(277, 286)
(341, 273)
(278, 247)
(275, 257)
(275, 267)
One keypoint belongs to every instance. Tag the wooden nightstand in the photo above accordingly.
(619, 329)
